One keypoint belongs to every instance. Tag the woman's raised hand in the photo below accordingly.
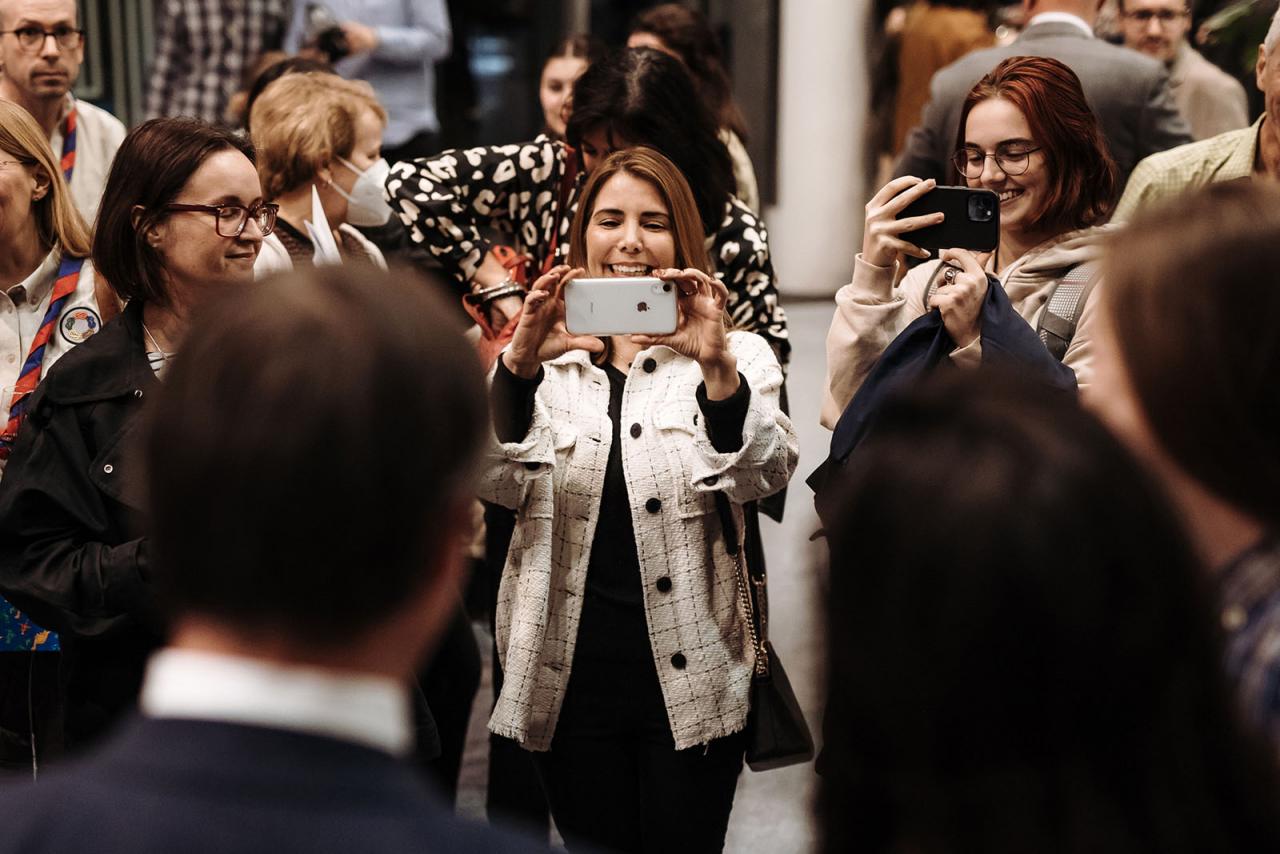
(960, 295)
(541, 335)
(700, 334)
(882, 238)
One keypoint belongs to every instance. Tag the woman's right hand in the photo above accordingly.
(882, 238)
(541, 335)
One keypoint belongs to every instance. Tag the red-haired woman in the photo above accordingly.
(1026, 133)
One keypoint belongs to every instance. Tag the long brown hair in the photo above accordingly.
(1191, 294)
(57, 220)
(651, 166)
(1082, 176)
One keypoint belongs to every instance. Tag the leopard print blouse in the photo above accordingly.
(449, 202)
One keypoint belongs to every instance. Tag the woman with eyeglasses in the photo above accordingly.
(1027, 134)
(182, 220)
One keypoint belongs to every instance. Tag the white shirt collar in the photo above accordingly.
(35, 286)
(373, 711)
(1060, 18)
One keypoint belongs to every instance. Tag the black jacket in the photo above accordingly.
(193, 786)
(72, 554)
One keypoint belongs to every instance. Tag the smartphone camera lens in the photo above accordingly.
(666, 287)
(982, 207)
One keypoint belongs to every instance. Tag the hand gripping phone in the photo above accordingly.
(972, 219)
(620, 306)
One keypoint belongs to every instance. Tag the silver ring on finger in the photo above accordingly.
(949, 275)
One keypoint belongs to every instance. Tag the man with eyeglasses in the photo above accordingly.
(1251, 153)
(41, 48)
(1211, 100)
(1128, 93)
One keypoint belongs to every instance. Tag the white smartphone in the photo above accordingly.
(620, 306)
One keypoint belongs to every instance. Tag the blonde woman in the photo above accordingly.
(624, 650)
(47, 299)
(318, 130)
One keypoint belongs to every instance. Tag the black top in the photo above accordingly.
(613, 625)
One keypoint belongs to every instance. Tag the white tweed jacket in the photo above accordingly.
(554, 479)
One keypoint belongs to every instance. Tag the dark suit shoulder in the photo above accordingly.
(194, 787)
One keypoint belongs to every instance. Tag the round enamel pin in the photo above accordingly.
(79, 324)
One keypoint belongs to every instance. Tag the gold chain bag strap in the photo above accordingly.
(777, 733)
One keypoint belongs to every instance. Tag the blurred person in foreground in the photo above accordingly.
(1210, 99)
(1188, 366)
(41, 49)
(1252, 152)
(277, 717)
(1021, 651)
(182, 220)
(1128, 92)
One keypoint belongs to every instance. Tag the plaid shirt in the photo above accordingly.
(204, 47)
(1249, 608)
(1225, 157)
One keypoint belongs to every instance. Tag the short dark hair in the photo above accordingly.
(1022, 650)
(1083, 179)
(153, 164)
(647, 98)
(1192, 298)
(305, 448)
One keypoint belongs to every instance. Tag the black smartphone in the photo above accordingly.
(972, 219)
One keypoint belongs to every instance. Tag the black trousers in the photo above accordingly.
(613, 777)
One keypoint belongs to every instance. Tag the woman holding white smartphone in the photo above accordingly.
(624, 648)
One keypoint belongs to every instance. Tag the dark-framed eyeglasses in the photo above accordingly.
(32, 38)
(230, 220)
(1166, 17)
(1012, 160)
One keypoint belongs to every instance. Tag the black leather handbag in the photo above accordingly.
(777, 734)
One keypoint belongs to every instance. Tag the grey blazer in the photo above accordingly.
(1129, 93)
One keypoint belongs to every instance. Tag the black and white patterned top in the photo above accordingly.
(446, 201)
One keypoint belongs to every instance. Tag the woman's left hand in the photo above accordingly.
(700, 334)
(960, 296)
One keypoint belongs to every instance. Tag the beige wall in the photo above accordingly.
(816, 227)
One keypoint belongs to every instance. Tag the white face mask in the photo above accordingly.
(366, 205)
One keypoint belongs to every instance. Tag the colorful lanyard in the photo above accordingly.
(29, 377)
(69, 145)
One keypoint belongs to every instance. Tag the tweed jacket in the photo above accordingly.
(871, 312)
(554, 480)
(1127, 91)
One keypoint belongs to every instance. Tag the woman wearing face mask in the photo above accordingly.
(1027, 134)
(316, 130)
(623, 645)
(563, 67)
(182, 219)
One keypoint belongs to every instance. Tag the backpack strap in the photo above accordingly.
(1061, 315)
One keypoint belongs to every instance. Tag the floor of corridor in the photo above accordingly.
(773, 811)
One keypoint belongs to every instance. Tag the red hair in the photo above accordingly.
(1083, 180)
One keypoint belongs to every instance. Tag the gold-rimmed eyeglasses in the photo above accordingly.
(32, 38)
(1012, 159)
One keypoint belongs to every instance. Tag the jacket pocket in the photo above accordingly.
(679, 423)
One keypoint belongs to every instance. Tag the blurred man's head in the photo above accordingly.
(40, 51)
(1268, 69)
(310, 457)
(1155, 27)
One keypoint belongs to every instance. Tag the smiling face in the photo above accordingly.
(997, 125)
(48, 71)
(195, 256)
(629, 233)
(1155, 27)
(558, 76)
